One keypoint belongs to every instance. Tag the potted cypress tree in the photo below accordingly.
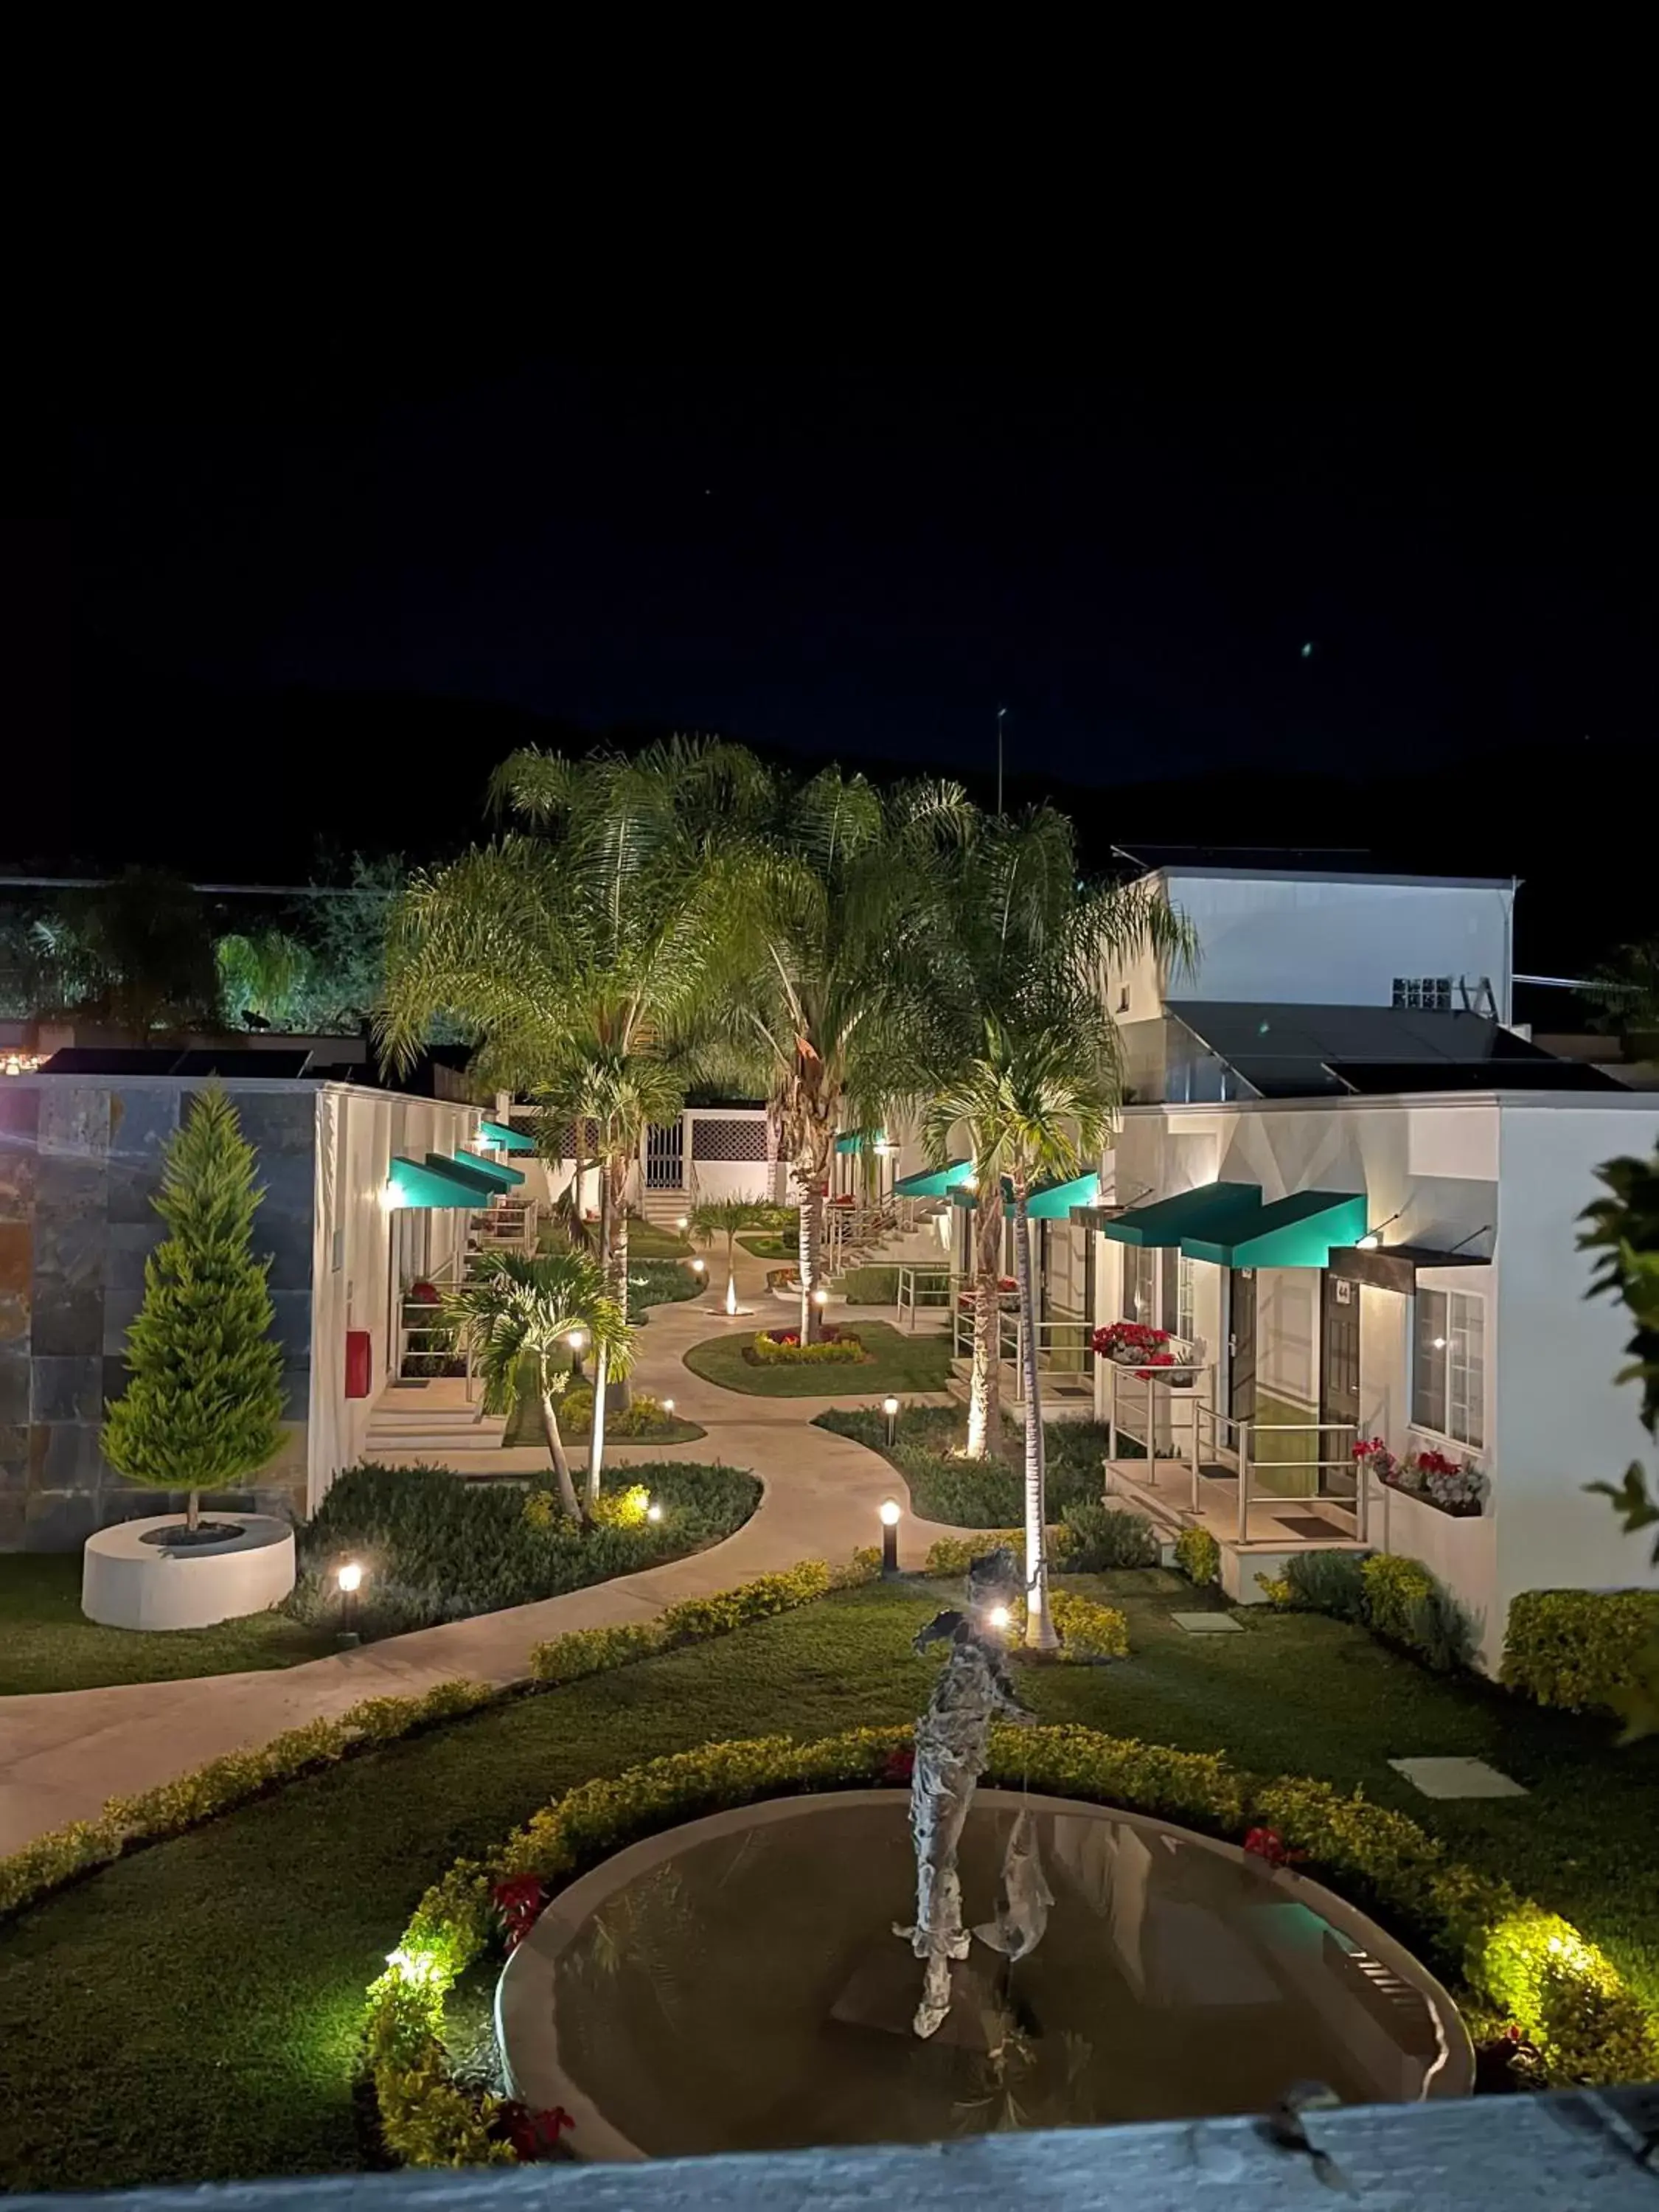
(203, 1401)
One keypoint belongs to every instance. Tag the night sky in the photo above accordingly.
(318, 597)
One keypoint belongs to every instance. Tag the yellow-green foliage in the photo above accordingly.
(1198, 1555)
(1088, 1630)
(1395, 1586)
(950, 1556)
(833, 1350)
(1530, 1967)
(591, 1650)
(1577, 1648)
(171, 1808)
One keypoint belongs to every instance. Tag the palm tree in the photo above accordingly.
(1022, 937)
(526, 1311)
(724, 1217)
(585, 955)
(1037, 1103)
(832, 1003)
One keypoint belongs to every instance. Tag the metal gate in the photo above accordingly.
(665, 1157)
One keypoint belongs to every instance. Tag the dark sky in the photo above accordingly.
(864, 561)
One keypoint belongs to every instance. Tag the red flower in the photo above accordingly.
(533, 2135)
(899, 1763)
(423, 1294)
(1268, 1845)
(519, 1900)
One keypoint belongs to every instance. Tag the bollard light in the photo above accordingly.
(820, 1297)
(889, 1521)
(349, 1578)
(1000, 1617)
(698, 1266)
(654, 1511)
(667, 1405)
(890, 1406)
(577, 1337)
(683, 1224)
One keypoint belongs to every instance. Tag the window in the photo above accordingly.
(1431, 991)
(1449, 1376)
(1184, 1298)
(1139, 1283)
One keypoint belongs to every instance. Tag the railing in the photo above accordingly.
(1063, 1347)
(923, 1287)
(1188, 1413)
(440, 1334)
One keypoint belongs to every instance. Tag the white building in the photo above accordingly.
(1351, 1195)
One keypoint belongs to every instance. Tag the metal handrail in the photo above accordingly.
(914, 1280)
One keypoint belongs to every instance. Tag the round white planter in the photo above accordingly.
(128, 1584)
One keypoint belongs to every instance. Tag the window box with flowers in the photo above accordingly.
(1138, 1344)
(1457, 1487)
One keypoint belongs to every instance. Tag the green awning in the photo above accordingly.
(1212, 1209)
(409, 1184)
(860, 1141)
(492, 1175)
(933, 1182)
(1053, 1202)
(505, 1140)
(1298, 1231)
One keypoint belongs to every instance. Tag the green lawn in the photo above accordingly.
(768, 1244)
(524, 1429)
(46, 1644)
(192, 2013)
(901, 1363)
(645, 1241)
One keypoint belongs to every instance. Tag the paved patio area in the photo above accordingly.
(62, 1755)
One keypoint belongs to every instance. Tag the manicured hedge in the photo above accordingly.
(1533, 1967)
(1578, 1649)
(436, 1548)
(1395, 1597)
(592, 1650)
(1198, 1555)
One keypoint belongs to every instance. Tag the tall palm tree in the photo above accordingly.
(1038, 1103)
(726, 1216)
(1022, 938)
(524, 1311)
(831, 1003)
(585, 952)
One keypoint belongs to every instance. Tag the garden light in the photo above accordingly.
(698, 1266)
(889, 1521)
(683, 1224)
(654, 1511)
(820, 1297)
(418, 1968)
(668, 1405)
(891, 1407)
(349, 1578)
(577, 1337)
(1000, 1617)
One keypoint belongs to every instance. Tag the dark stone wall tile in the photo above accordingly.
(19, 1114)
(276, 1122)
(59, 1520)
(75, 1121)
(131, 1188)
(293, 1329)
(70, 1189)
(68, 1320)
(19, 1166)
(16, 1258)
(13, 1457)
(67, 1389)
(142, 1123)
(16, 1387)
(65, 1455)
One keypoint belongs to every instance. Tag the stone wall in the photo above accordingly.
(79, 1161)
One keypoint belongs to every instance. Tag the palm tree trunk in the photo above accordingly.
(556, 1445)
(732, 1270)
(810, 1181)
(985, 1378)
(1039, 1625)
(596, 1441)
(623, 1387)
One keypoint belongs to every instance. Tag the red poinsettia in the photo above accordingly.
(899, 1765)
(423, 1294)
(519, 1900)
(533, 2135)
(1268, 1845)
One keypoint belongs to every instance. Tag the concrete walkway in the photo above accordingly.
(63, 1754)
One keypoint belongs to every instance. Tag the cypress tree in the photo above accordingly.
(203, 1401)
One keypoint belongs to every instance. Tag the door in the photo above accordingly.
(1339, 1380)
(1241, 1344)
(665, 1157)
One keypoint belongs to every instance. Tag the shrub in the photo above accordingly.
(437, 1548)
(1102, 1536)
(1535, 1969)
(657, 1282)
(950, 1556)
(641, 1420)
(1394, 1587)
(1397, 1598)
(1088, 1630)
(869, 1286)
(1324, 1581)
(783, 1348)
(592, 1650)
(1578, 1649)
(1198, 1555)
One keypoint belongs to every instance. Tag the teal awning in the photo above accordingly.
(859, 1140)
(933, 1182)
(1212, 1209)
(489, 1174)
(1053, 1202)
(1298, 1231)
(410, 1184)
(505, 1140)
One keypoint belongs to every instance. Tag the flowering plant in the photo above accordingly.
(532, 2134)
(518, 1899)
(1454, 1486)
(1134, 1344)
(1270, 1847)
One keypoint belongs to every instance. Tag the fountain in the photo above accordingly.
(800, 1971)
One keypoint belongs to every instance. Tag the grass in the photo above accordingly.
(647, 1241)
(901, 1363)
(768, 1244)
(192, 2013)
(47, 1643)
(524, 1429)
(984, 1494)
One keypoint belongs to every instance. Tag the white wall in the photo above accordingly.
(1311, 941)
(359, 1132)
(1560, 1421)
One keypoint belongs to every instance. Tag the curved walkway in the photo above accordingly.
(63, 1753)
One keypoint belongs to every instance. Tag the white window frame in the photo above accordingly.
(1186, 1297)
(1465, 1430)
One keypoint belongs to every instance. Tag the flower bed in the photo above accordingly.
(1531, 1967)
(1136, 1345)
(782, 1347)
(1454, 1486)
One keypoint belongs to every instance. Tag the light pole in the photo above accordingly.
(350, 1578)
(889, 1521)
(891, 1407)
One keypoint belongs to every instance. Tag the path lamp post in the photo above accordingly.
(891, 1407)
(889, 1521)
(350, 1578)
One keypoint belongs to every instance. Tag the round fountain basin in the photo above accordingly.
(734, 1984)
